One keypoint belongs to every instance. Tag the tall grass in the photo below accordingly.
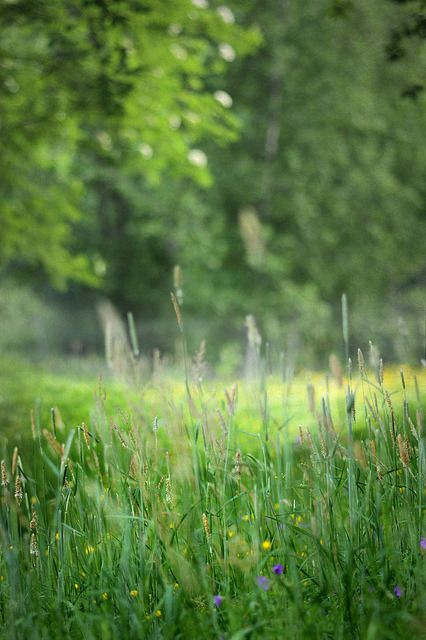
(187, 522)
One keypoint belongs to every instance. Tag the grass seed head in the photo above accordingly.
(85, 434)
(53, 443)
(18, 489)
(14, 460)
(237, 465)
(4, 476)
(336, 369)
(361, 362)
(206, 527)
(176, 307)
(404, 450)
(34, 550)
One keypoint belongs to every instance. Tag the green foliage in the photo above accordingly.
(323, 193)
(122, 81)
(273, 150)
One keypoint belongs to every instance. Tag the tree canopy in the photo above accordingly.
(272, 149)
(119, 83)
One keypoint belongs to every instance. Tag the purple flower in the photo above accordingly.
(398, 591)
(217, 600)
(423, 543)
(263, 583)
(278, 569)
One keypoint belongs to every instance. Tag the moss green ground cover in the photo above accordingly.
(255, 511)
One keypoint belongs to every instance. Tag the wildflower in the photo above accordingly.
(263, 583)
(217, 600)
(246, 518)
(134, 593)
(158, 613)
(278, 569)
(104, 596)
(76, 586)
(398, 591)
(266, 545)
(89, 549)
(423, 543)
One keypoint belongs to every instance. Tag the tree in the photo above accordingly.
(120, 80)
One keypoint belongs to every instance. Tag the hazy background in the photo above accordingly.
(273, 149)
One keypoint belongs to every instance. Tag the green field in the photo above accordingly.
(258, 510)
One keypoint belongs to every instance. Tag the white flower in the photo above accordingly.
(179, 52)
(175, 122)
(197, 157)
(224, 98)
(227, 52)
(175, 29)
(200, 4)
(226, 14)
(146, 150)
(104, 140)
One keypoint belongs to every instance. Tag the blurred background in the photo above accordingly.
(272, 149)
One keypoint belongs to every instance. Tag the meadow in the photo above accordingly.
(264, 508)
(222, 151)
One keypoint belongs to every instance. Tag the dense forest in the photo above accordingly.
(273, 149)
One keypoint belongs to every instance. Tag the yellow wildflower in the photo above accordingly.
(266, 545)
(134, 593)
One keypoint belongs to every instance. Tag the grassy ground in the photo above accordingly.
(258, 511)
